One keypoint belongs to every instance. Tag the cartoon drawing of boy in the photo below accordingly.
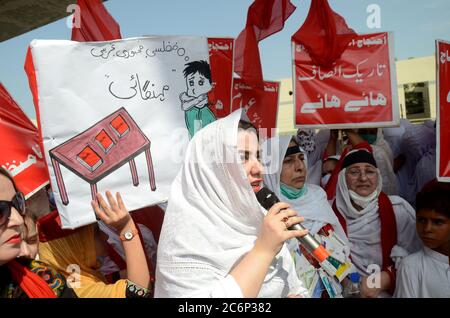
(195, 100)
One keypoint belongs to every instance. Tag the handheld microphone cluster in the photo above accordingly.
(331, 265)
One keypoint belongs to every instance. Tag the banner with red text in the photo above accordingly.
(19, 143)
(260, 104)
(359, 90)
(221, 52)
(443, 110)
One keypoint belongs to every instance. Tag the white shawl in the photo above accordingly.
(212, 220)
(313, 205)
(364, 227)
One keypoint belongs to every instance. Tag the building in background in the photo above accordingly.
(416, 83)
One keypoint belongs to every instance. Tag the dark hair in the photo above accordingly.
(295, 141)
(202, 67)
(434, 196)
(245, 125)
(5, 173)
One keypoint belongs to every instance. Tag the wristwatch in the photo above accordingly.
(128, 235)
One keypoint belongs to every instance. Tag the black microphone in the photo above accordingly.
(267, 199)
(332, 266)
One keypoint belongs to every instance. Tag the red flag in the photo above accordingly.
(96, 23)
(259, 103)
(20, 154)
(324, 34)
(221, 61)
(264, 18)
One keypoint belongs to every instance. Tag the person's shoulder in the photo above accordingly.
(318, 193)
(54, 279)
(413, 258)
(317, 190)
(401, 206)
(411, 262)
(397, 200)
(46, 271)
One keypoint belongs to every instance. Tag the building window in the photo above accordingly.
(417, 101)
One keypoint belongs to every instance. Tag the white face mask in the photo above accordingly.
(325, 179)
(363, 201)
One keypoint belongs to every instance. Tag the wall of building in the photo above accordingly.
(418, 70)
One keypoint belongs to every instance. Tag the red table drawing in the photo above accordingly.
(102, 149)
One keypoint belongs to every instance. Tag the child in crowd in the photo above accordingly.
(426, 273)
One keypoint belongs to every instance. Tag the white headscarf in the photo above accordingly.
(363, 227)
(313, 205)
(212, 221)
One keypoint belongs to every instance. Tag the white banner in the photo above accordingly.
(112, 116)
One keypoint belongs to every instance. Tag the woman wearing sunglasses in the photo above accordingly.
(22, 278)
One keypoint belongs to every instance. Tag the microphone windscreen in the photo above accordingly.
(266, 198)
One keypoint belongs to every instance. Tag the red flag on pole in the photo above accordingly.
(20, 154)
(264, 18)
(324, 34)
(96, 23)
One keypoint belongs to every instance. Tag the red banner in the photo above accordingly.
(359, 90)
(221, 52)
(260, 104)
(20, 152)
(443, 110)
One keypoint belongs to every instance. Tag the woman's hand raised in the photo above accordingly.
(114, 214)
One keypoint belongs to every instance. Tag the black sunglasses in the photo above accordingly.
(18, 202)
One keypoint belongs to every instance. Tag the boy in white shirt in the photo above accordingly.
(426, 273)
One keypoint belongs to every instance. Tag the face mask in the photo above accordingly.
(325, 179)
(369, 138)
(363, 201)
(292, 193)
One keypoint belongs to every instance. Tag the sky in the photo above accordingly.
(415, 25)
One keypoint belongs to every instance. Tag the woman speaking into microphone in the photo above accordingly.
(216, 239)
